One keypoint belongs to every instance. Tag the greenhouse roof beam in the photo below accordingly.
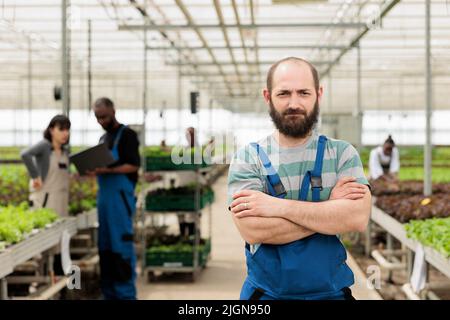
(341, 25)
(241, 32)
(263, 47)
(144, 13)
(190, 20)
(227, 40)
(268, 62)
(356, 39)
(217, 74)
(256, 44)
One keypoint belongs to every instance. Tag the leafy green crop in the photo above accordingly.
(434, 233)
(82, 195)
(416, 173)
(160, 152)
(438, 175)
(10, 153)
(186, 190)
(13, 184)
(14, 189)
(157, 151)
(181, 246)
(17, 221)
(413, 156)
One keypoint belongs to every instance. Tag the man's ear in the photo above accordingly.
(320, 94)
(266, 95)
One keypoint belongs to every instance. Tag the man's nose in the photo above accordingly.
(295, 102)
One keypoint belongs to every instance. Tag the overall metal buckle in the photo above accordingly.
(316, 182)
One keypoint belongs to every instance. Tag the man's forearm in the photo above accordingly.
(329, 217)
(270, 230)
(124, 169)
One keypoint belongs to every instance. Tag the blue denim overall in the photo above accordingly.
(116, 206)
(312, 268)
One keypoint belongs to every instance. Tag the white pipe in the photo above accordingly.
(384, 263)
(410, 294)
(432, 296)
(52, 290)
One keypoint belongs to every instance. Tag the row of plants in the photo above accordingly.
(17, 222)
(171, 250)
(413, 156)
(82, 194)
(165, 158)
(404, 200)
(411, 187)
(434, 233)
(13, 153)
(181, 198)
(10, 153)
(438, 174)
(14, 189)
(405, 208)
(427, 219)
(417, 173)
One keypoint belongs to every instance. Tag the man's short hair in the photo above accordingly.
(105, 102)
(315, 74)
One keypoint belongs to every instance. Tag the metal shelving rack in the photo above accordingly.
(40, 242)
(148, 270)
(35, 244)
(87, 219)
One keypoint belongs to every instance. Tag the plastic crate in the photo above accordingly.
(185, 202)
(166, 164)
(177, 259)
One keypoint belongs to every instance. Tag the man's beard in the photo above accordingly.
(298, 127)
(109, 127)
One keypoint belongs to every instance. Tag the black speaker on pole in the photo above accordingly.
(57, 93)
(194, 101)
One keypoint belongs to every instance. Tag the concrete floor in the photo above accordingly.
(225, 272)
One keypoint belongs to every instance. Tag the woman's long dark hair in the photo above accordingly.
(60, 121)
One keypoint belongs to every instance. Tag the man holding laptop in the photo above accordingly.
(116, 204)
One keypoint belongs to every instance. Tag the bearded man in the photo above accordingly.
(292, 193)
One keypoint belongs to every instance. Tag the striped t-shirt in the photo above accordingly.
(340, 160)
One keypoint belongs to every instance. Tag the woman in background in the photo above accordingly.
(47, 163)
(384, 161)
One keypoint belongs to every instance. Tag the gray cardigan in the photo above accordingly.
(37, 159)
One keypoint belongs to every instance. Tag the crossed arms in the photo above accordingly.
(261, 218)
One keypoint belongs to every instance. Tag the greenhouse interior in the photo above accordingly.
(193, 149)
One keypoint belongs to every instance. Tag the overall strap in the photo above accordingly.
(276, 188)
(314, 177)
(118, 136)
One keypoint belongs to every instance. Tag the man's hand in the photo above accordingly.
(103, 170)
(347, 188)
(97, 171)
(249, 203)
(90, 173)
